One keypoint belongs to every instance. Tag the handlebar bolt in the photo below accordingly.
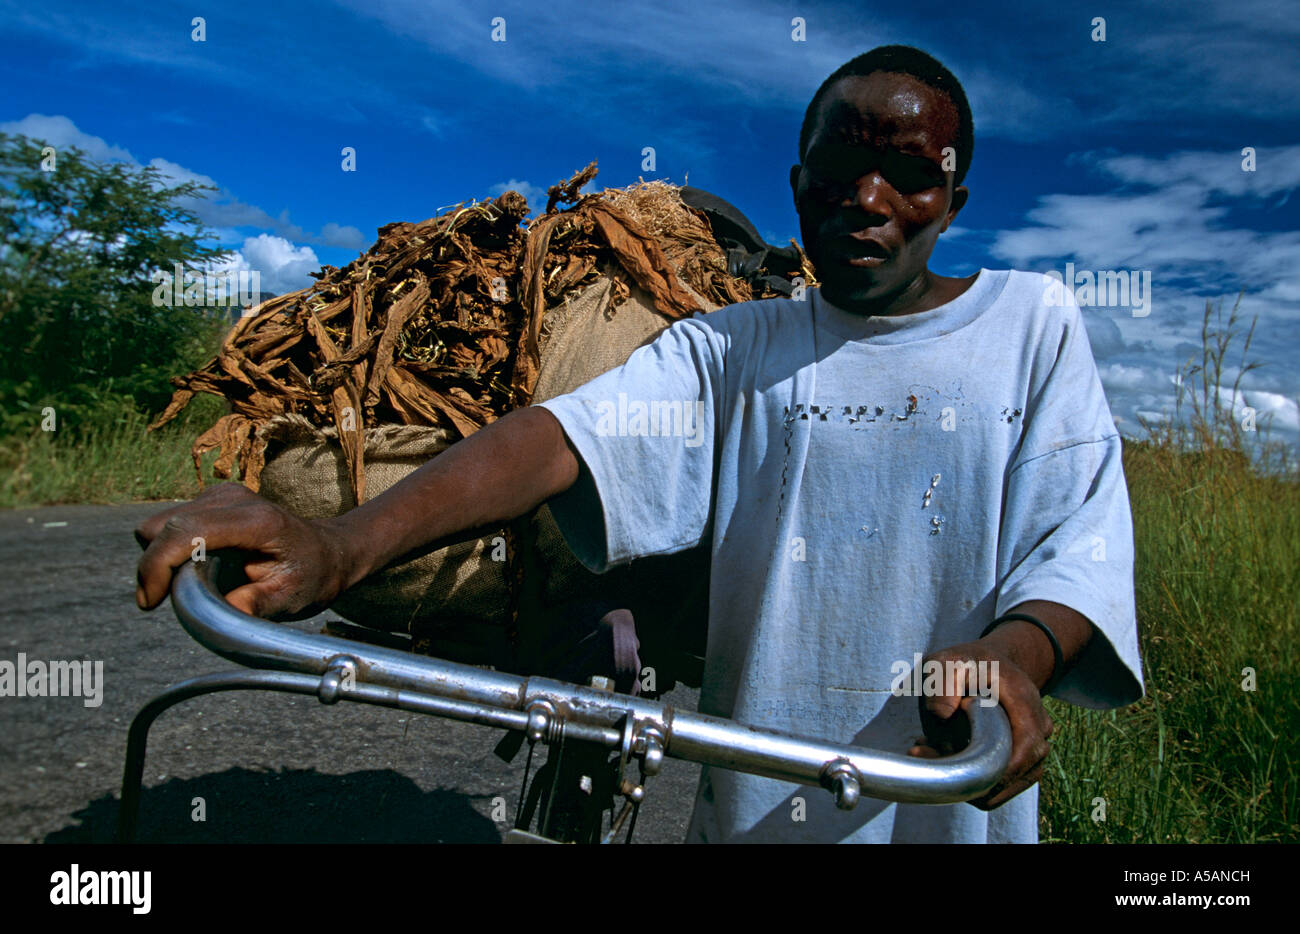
(540, 722)
(842, 779)
(340, 675)
(536, 726)
(653, 755)
(847, 791)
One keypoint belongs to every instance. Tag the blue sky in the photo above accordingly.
(1118, 155)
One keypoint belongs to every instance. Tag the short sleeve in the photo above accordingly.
(645, 435)
(1067, 529)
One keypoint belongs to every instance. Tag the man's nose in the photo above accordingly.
(871, 194)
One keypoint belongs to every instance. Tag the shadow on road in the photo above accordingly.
(289, 806)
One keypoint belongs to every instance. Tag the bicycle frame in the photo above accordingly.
(547, 711)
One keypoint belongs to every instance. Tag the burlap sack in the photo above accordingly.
(306, 473)
(588, 336)
(455, 601)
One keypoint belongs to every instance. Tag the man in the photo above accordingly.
(889, 467)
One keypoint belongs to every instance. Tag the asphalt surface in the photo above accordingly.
(268, 767)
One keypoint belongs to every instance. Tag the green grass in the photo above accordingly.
(1199, 759)
(1217, 574)
(109, 460)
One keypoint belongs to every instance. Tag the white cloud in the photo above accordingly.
(1123, 376)
(281, 266)
(1277, 170)
(749, 56)
(220, 209)
(1177, 217)
(179, 175)
(62, 133)
(1271, 409)
(1206, 60)
(1178, 225)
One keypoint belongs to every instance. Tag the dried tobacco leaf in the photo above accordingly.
(440, 323)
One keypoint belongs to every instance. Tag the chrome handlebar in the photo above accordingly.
(546, 710)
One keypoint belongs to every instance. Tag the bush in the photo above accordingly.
(81, 240)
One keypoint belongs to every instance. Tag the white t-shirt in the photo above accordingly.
(871, 488)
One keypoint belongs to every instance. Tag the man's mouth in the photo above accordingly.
(860, 253)
(867, 261)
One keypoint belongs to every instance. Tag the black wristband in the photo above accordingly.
(1058, 664)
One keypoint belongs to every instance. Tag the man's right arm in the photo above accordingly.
(498, 473)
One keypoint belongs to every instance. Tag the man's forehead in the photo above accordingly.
(861, 108)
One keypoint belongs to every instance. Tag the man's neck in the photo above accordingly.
(925, 292)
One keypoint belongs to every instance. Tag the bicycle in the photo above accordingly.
(594, 735)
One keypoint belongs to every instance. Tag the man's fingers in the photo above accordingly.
(222, 493)
(1001, 794)
(252, 599)
(175, 539)
(153, 576)
(1029, 750)
(946, 733)
(960, 679)
(944, 704)
(152, 527)
(1030, 724)
(1029, 745)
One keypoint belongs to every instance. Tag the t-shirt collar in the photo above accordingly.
(898, 329)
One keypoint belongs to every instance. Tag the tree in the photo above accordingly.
(81, 240)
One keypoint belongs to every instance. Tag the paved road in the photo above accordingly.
(269, 767)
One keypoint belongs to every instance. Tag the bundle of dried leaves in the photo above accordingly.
(440, 322)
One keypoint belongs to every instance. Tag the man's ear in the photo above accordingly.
(959, 196)
(794, 182)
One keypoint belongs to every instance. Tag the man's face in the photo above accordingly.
(872, 194)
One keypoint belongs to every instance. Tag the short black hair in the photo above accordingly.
(903, 60)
